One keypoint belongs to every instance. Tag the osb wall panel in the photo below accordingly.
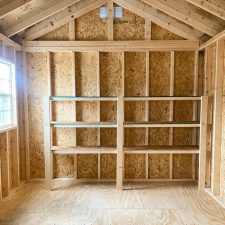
(159, 33)
(108, 166)
(135, 79)
(158, 166)
(110, 73)
(90, 27)
(61, 77)
(37, 88)
(183, 111)
(110, 85)
(182, 166)
(86, 85)
(134, 166)
(159, 85)
(59, 34)
(130, 27)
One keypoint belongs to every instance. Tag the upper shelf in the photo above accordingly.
(84, 124)
(162, 124)
(84, 98)
(162, 98)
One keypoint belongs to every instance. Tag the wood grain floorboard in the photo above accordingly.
(100, 204)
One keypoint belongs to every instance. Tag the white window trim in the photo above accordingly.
(13, 125)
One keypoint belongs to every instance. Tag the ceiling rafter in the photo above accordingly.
(62, 18)
(11, 6)
(160, 18)
(27, 22)
(184, 12)
(215, 7)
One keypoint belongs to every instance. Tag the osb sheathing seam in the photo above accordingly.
(90, 27)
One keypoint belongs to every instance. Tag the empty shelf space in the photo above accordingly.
(162, 98)
(83, 150)
(162, 124)
(84, 124)
(165, 149)
(82, 99)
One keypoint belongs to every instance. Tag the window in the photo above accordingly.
(118, 12)
(103, 12)
(7, 95)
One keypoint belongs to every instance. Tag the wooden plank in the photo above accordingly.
(82, 99)
(147, 67)
(120, 132)
(72, 30)
(84, 124)
(26, 118)
(213, 40)
(161, 124)
(148, 29)
(171, 110)
(20, 111)
(4, 148)
(64, 16)
(47, 145)
(203, 143)
(217, 118)
(10, 42)
(186, 13)
(98, 111)
(11, 6)
(41, 15)
(147, 112)
(195, 112)
(215, 7)
(110, 20)
(14, 145)
(160, 18)
(108, 46)
(72, 36)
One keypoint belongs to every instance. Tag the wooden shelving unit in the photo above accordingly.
(120, 150)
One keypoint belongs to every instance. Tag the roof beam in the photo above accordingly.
(215, 7)
(27, 22)
(62, 18)
(11, 6)
(110, 46)
(9, 42)
(160, 18)
(185, 13)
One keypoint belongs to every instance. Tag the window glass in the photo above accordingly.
(7, 95)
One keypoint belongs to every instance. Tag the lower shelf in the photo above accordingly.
(166, 149)
(162, 149)
(67, 150)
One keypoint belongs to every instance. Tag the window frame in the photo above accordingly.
(12, 94)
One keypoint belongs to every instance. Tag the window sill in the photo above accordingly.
(8, 129)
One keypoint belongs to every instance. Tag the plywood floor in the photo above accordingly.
(90, 204)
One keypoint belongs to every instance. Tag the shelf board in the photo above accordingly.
(83, 150)
(82, 99)
(162, 98)
(84, 124)
(165, 149)
(162, 124)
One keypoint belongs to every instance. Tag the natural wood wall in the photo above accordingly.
(90, 27)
